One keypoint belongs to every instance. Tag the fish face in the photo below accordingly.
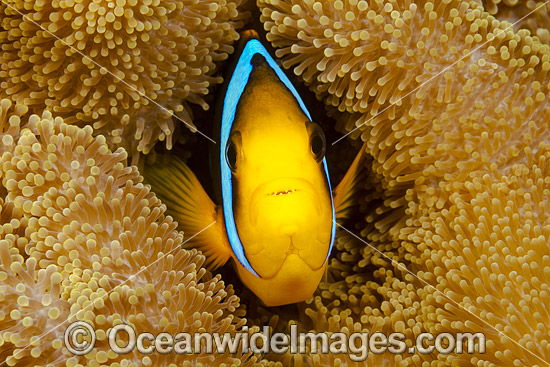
(282, 201)
(278, 206)
(283, 213)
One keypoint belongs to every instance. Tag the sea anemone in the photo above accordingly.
(453, 107)
(528, 14)
(31, 310)
(87, 241)
(492, 6)
(125, 67)
(369, 55)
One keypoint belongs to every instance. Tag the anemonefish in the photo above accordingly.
(277, 215)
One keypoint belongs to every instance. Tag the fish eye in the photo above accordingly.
(317, 145)
(232, 150)
(231, 155)
(317, 141)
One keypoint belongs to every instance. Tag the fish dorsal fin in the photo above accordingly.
(250, 50)
(198, 217)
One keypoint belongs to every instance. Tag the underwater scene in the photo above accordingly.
(274, 183)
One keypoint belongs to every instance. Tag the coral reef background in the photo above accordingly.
(452, 229)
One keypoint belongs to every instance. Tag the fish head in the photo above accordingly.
(282, 202)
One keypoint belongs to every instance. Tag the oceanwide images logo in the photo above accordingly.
(80, 339)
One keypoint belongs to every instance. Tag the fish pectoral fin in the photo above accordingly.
(343, 193)
(196, 214)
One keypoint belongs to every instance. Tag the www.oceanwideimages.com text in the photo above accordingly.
(80, 339)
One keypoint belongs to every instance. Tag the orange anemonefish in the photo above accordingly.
(277, 217)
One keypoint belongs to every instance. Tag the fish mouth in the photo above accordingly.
(282, 188)
(286, 192)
